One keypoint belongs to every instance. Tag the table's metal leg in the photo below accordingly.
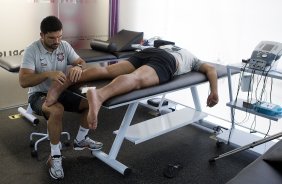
(196, 99)
(197, 103)
(111, 158)
(232, 110)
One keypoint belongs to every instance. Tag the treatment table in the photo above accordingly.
(146, 130)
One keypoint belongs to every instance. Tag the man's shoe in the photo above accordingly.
(87, 143)
(55, 167)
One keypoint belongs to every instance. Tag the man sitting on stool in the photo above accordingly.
(45, 62)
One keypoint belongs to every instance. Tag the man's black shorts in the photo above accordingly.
(69, 100)
(161, 61)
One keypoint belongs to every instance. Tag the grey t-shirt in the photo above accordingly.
(186, 60)
(37, 58)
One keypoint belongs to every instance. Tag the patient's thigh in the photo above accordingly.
(107, 72)
(147, 76)
(120, 68)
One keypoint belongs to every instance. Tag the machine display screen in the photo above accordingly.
(268, 47)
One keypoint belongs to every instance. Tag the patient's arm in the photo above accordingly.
(211, 74)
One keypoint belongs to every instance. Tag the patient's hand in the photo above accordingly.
(212, 99)
(74, 73)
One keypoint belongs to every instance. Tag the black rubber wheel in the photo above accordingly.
(66, 143)
(219, 144)
(31, 144)
(34, 153)
(212, 160)
(127, 172)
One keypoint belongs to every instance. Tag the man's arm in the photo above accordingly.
(211, 74)
(29, 78)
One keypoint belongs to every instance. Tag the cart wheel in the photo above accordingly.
(66, 143)
(31, 143)
(219, 144)
(34, 153)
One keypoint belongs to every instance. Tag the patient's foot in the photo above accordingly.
(94, 107)
(55, 91)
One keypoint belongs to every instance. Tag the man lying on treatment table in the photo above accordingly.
(149, 67)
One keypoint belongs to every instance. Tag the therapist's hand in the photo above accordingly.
(57, 76)
(75, 73)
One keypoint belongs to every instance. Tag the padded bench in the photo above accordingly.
(122, 40)
(115, 48)
(90, 55)
(149, 129)
(11, 63)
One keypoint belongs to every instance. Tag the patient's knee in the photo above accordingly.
(133, 80)
(141, 81)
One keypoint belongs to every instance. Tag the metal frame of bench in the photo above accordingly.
(190, 80)
(132, 99)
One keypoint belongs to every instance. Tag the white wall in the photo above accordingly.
(20, 21)
(219, 29)
(224, 31)
(20, 25)
(84, 20)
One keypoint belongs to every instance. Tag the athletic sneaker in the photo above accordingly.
(55, 167)
(87, 143)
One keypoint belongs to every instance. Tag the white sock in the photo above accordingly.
(55, 149)
(82, 132)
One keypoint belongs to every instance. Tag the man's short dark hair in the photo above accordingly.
(50, 24)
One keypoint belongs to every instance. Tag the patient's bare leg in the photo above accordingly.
(94, 106)
(54, 92)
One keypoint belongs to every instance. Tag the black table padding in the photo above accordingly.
(179, 82)
(125, 38)
(103, 45)
(11, 63)
(90, 55)
(124, 54)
